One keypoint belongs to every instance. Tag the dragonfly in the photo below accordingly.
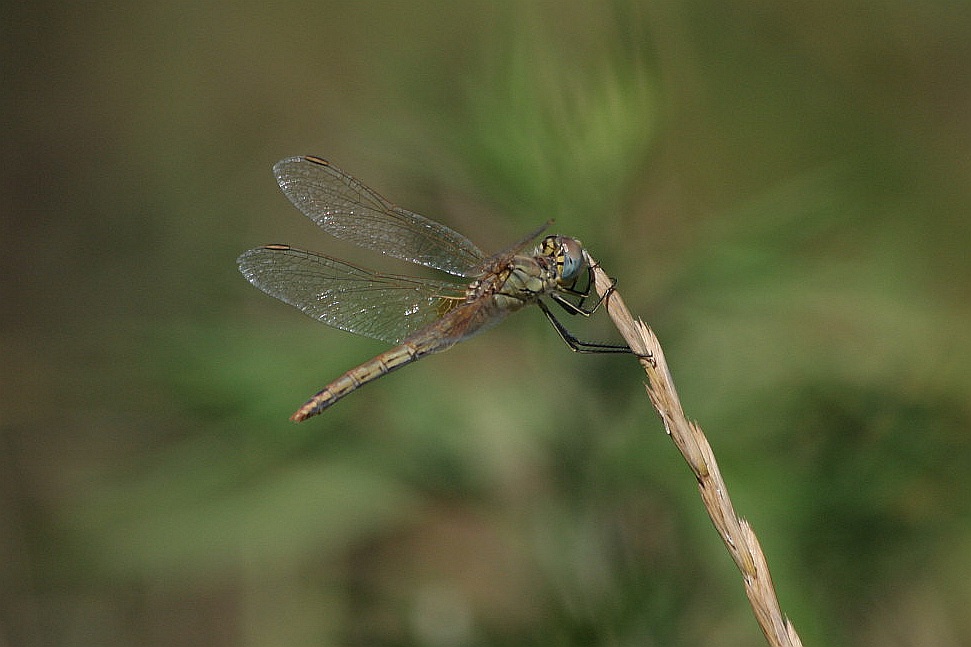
(418, 316)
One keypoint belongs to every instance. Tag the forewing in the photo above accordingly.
(345, 208)
(382, 306)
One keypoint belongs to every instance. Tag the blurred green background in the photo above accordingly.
(781, 190)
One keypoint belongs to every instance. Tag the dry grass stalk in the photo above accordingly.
(691, 442)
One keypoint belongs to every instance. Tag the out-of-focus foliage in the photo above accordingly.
(782, 192)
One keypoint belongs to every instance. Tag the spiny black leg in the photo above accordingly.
(582, 294)
(568, 306)
(575, 344)
(577, 308)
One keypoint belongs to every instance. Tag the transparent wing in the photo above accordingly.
(345, 208)
(381, 306)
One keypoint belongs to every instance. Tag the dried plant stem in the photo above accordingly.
(691, 442)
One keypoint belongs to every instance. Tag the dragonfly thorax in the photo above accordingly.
(520, 281)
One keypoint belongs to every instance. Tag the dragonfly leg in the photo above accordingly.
(575, 344)
(577, 308)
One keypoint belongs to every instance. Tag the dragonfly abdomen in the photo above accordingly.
(357, 377)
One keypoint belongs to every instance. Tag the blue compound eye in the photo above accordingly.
(571, 259)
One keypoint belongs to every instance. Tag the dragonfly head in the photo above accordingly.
(567, 254)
